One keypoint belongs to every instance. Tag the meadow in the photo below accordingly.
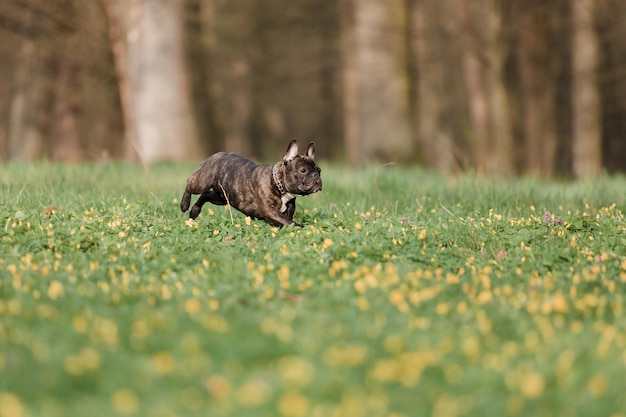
(407, 293)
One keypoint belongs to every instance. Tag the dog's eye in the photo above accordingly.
(303, 170)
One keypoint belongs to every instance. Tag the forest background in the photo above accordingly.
(518, 87)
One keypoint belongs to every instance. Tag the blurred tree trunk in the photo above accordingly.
(30, 109)
(46, 100)
(294, 61)
(351, 120)
(147, 39)
(67, 146)
(63, 74)
(199, 25)
(501, 159)
(375, 80)
(611, 32)
(587, 140)
(483, 64)
(473, 63)
(538, 69)
(425, 46)
(119, 21)
(102, 127)
(229, 70)
(7, 56)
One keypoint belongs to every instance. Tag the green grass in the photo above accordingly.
(406, 294)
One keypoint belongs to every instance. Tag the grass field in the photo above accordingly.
(406, 294)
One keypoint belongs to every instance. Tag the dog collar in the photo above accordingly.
(285, 197)
(279, 183)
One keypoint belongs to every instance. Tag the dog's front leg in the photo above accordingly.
(280, 219)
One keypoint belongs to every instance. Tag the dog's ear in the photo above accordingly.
(310, 152)
(291, 152)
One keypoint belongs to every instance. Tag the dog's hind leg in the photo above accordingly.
(197, 207)
(185, 200)
(207, 197)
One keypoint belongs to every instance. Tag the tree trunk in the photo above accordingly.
(483, 71)
(118, 20)
(351, 120)
(30, 108)
(473, 64)
(481, 74)
(587, 140)
(67, 143)
(375, 80)
(425, 45)
(538, 70)
(199, 44)
(500, 160)
(230, 71)
(147, 42)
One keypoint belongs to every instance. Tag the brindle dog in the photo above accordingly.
(266, 192)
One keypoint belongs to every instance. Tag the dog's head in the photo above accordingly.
(301, 173)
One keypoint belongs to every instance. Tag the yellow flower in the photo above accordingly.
(345, 356)
(218, 387)
(484, 297)
(55, 289)
(471, 348)
(532, 385)
(125, 401)
(11, 406)
(452, 279)
(296, 371)
(597, 385)
(359, 286)
(396, 297)
(559, 303)
(192, 306)
(106, 332)
(80, 324)
(163, 362)
(90, 358)
(442, 309)
(293, 404)
(384, 370)
(215, 323)
(213, 304)
(253, 393)
(283, 273)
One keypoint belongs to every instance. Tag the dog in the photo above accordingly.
(265, 192)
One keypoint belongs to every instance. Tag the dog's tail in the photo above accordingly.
(185, 201)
